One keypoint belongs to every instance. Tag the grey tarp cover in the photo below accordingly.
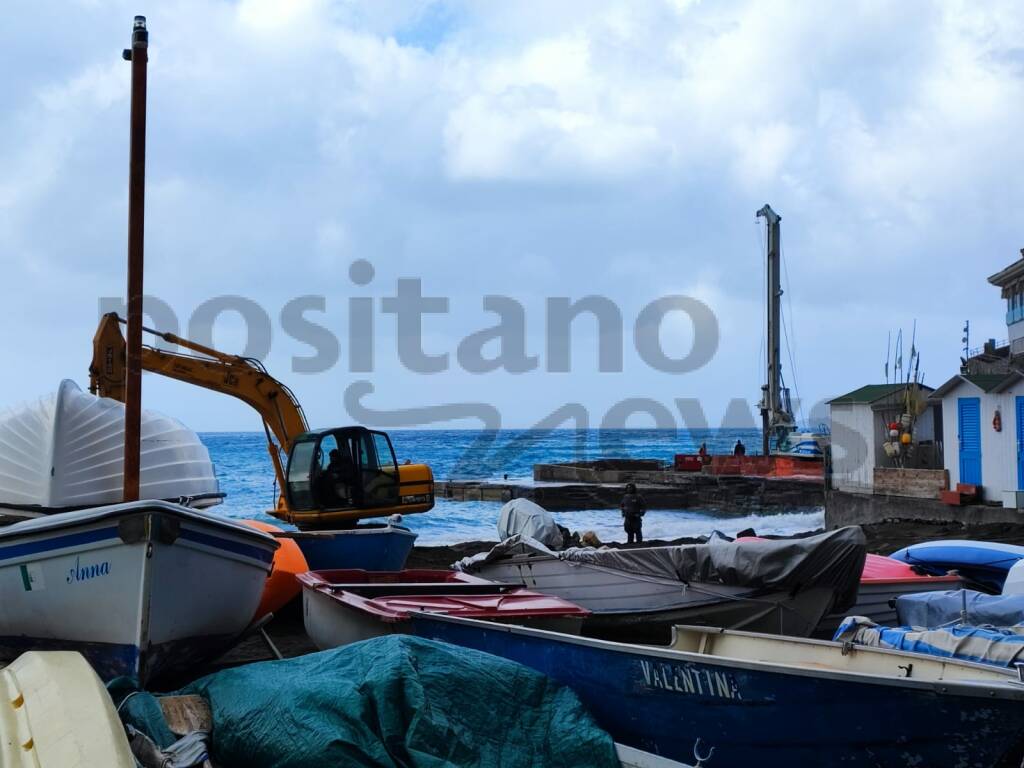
(398, 701)
(521, 517)
(833, 559)
(933, 609)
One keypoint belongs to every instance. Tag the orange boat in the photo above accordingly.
(282, 587)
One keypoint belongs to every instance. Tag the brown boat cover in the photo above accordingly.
(833, 559)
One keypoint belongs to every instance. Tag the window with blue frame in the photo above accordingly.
(1015, 308)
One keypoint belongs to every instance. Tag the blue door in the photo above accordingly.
(1020, 443)
(969, 421)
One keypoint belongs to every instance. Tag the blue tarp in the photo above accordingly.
(934, 609)
(983, 562)
(985, 645)
(397, 701)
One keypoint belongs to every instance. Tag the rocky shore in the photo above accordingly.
(883, 539)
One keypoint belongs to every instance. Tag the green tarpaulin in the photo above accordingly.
(398, 701)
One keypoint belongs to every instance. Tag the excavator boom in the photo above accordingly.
(240, 377)
(283, 420)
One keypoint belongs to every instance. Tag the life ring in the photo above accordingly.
(997, 421)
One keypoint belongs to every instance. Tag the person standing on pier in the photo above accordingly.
(739, 449)
(633, 508)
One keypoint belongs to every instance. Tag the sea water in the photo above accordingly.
(246, 476)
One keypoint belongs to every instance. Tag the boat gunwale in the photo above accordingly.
(332, 534)
(47, 524)
(1010, 688)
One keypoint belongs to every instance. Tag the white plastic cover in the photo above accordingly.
(521, 517)
(67, 450)
(1014, 584)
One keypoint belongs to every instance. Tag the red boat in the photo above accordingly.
(346, 606)
(882, 581)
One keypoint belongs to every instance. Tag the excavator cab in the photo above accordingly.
(343, 468)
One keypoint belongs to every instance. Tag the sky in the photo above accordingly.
(534, 151)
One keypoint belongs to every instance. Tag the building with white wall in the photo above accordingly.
(859, 422)
(983, 432)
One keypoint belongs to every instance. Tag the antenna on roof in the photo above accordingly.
(913, 350)
(897, 368)
(888, 354)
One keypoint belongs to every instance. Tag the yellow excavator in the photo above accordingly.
(329, 478)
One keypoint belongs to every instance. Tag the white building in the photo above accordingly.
(1010, 281)
(983, 432)
(860, 426)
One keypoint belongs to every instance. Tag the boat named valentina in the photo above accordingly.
(772, 702)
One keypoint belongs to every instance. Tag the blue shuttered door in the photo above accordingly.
(1020, 443)
(969, 419)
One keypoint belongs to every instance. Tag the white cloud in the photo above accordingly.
(529, 148)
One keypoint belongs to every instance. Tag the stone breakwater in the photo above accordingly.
(599, 485)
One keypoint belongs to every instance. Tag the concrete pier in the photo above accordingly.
(667, 491)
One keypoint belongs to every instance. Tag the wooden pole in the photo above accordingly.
(139, 58)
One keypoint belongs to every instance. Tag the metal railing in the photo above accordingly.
(997, 345)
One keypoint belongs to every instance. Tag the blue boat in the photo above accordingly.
(369, 547)
(770, 701)
(985, 563)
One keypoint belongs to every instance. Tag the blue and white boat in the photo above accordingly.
(769, 701)
(141, 589)
(803, 445)
(983, 562)
(367, 547)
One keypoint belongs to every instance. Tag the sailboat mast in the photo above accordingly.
(771, 403)
(139, 57)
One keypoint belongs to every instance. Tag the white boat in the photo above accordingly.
(784, 586)
(55, 713)
(803, 445)
(631, 757)
(66, 451)
(140, 589)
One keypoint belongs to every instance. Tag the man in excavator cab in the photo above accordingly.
(335, 483)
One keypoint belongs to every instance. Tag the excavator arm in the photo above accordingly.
(241, 377)
(411, 485)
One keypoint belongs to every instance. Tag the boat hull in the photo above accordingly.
(141, 590)
(330, 625)
(370, 548)
(66, 717)
(983, 562)
(759, 714)
(874, 600)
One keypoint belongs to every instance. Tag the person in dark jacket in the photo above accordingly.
(633, 508)
(739, 449)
